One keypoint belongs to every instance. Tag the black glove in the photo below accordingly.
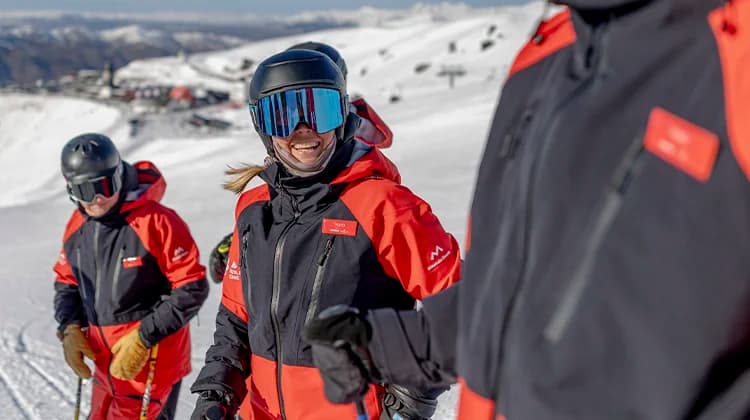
(339, 337)
(214, 405)
(217, 260)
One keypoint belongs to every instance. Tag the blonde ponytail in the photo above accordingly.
(242, 176)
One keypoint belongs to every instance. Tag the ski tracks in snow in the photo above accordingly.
(35, 381)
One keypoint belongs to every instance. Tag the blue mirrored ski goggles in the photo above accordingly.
(279, 114)
(106, 186)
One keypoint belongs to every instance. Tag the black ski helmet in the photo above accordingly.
(88, 156)
(293, 69)
(326, 49)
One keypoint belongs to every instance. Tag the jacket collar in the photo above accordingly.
(306, 197)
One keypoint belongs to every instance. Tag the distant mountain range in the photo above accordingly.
(34, 47)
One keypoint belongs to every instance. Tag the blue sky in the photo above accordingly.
(221, 6)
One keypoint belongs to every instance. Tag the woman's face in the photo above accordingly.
(304, 144)
(100, 206)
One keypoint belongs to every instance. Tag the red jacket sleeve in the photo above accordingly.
(231, 292)
(231, 288)
(166, 236)
(67, 301)
(411, 244)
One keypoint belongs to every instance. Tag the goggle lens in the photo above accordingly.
(279, 114)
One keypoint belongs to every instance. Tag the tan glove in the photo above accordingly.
(130, 355)
(75, 346)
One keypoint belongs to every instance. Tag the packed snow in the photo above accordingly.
(439, 136)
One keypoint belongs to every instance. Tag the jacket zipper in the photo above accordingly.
(116, 276)
(245, 272)
(609, 207)
(97, 279)
(277, 263)
(82, 284)
(515, 301)
(97, 291)
(318, 282)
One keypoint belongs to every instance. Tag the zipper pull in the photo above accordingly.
(513, 138)
(326, 252)
(627, 167)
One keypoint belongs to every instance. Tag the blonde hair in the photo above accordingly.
(241, 177)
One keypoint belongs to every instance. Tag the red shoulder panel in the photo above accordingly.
(167, 237)
(75, 222)
(259, 193)
(731, 27)
(61, 268)
(551, 36)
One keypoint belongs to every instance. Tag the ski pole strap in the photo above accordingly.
(77, 412)
(361, 410)
(149, 381)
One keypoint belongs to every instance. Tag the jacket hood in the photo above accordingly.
(306, 197)
(143, 182)
(371, 163)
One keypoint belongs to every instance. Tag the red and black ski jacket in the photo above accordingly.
(360, 239)
(137, 268)
(609, 273)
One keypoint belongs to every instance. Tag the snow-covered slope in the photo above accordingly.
(439, 135)
(31, 128)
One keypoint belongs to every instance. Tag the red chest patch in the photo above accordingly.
(681, 143)
(339, 227)
(132, 262)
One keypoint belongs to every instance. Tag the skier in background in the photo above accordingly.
(331, 225)
(127, 279)
(608, 274)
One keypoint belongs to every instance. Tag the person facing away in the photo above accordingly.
(127, 280)
(608, 274)
(331, 225)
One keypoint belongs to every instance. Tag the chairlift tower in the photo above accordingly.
(451, 72)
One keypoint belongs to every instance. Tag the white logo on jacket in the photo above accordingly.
(233, 271)
(436, 258)
(179, 254)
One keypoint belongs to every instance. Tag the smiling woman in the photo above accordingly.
(332, 225)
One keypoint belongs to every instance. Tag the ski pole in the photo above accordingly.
(149, 381)
(77, 412)
(361, 409)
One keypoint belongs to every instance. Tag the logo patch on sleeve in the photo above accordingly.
(179, 254)
(233, 271)
(132, 262)
(340, 227)
(682, 144)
